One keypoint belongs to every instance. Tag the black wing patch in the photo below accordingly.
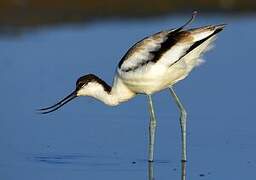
(171, 39)
(196, 44)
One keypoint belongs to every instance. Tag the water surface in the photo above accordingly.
(88, 140)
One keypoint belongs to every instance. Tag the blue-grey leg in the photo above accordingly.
(152, 129)
(183, 122)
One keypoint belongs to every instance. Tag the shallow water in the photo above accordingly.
(87, 140)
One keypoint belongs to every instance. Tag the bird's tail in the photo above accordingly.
(204, 32)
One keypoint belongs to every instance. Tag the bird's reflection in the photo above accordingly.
(183, 170)
(151, 170)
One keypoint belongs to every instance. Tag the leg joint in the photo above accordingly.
(152, 124)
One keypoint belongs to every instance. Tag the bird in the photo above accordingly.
(155, 63)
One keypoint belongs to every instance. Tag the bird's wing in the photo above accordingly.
(189, 42)
(151, 49)
(166, 47)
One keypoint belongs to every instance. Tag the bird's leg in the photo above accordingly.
(183, 122)
(152, 129)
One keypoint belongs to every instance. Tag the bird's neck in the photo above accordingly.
(107, 98)
(114, 95)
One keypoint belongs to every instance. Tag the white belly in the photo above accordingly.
(157, 78)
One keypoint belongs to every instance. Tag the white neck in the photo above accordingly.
(107, 97)
(110, 96)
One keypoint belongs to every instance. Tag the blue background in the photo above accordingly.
(88, 140)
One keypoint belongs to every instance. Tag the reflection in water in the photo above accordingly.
(183, 170)
(91, 162)
(151, 170)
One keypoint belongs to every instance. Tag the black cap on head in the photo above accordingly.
(84, 80)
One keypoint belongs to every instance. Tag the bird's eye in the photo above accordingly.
(79, 85)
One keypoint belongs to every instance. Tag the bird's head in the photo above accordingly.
(88, 85)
